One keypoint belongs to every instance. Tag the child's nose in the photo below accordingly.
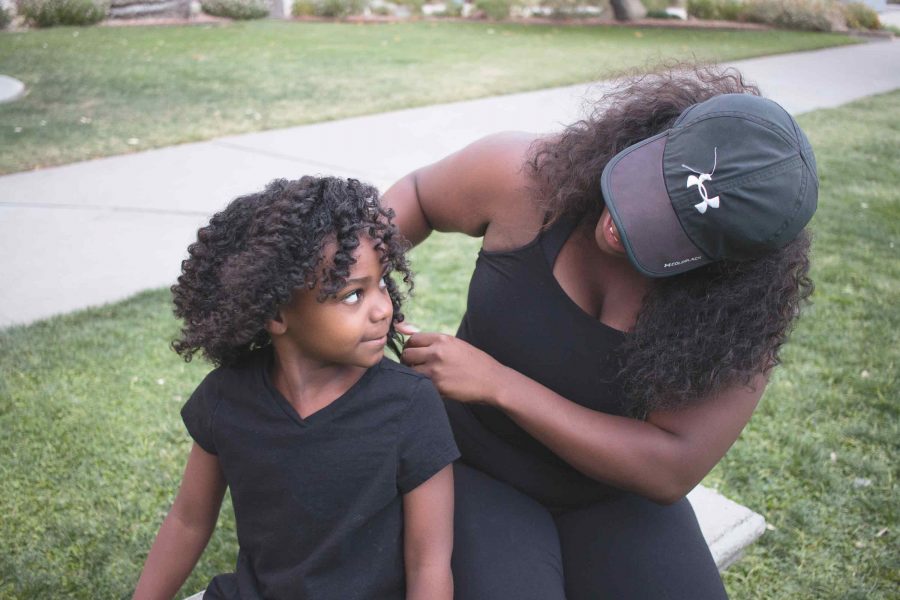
(383, 308)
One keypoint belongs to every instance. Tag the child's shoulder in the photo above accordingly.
(401, 377)
(235, 376)
(394, 369)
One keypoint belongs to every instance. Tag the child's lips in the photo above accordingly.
(377, 341)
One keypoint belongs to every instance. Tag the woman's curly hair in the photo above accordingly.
(702, 331)
(252, 256)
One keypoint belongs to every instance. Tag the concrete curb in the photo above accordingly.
(10, 89)
(727, 527)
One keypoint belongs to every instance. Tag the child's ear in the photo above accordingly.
(276, 325)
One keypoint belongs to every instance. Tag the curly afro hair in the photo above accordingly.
(707, 329)
(252, 256)
(702, 331)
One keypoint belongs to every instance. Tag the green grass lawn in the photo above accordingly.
(819, 458)
(92, 445)
(101, 91)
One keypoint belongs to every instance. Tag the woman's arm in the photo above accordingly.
(428, 538)
(464, 192)
(186, 529)
(661, 458)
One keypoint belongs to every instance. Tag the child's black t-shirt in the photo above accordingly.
(318, 501)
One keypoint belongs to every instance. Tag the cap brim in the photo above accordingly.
(635, 193)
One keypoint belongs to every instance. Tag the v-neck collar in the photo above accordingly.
(552, 242)
(324, 414)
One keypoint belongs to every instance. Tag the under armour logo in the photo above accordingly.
(698, 180)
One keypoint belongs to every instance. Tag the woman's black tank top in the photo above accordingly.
(518, 313)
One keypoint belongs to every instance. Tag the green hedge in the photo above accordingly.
(860, 16)
(49, 13)
(496, 10)
(5, 18)
(236, 9)
(715, 10)
(334, 9)
(801, 15)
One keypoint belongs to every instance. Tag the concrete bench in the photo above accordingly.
(727, 527)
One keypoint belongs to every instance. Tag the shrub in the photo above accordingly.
(48, 13)
(414, 6)
(451, 9)
(334, 9)
(303, 8)
(803, 15)
(860, 16)
(655, 6)
(496, 10)
(719, 10)
(339, 8)
(5, 18)
(236, 9)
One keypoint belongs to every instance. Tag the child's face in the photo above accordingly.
(350, 328)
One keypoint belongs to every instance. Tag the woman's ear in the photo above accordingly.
(276, 325)
(608, 235)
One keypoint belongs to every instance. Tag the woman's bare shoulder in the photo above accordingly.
(484, 189)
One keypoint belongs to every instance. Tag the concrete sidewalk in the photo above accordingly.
(99, 231)
(890, 15)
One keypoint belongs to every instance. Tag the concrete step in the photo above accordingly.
(728, 527)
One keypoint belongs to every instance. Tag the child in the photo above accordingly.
(338, 459)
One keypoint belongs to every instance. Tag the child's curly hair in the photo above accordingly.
(251, 257)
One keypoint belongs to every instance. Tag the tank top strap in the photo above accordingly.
(554, 237)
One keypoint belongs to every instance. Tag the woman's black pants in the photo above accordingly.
(507, 546)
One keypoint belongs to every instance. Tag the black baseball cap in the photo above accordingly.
(734, 178)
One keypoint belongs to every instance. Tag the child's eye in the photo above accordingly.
(351, 298)
(382, 283)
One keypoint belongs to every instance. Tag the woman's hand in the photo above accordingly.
(458, 370)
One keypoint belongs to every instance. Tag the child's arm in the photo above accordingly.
(186, 529)
(428, 538)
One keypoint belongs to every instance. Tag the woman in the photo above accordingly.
(619, 333)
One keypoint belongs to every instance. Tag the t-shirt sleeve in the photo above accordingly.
(197, 414)
(426, 442)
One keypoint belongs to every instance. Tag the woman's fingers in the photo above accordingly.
(422, 340)
(406, 328)
(418, 360)
(414, 356)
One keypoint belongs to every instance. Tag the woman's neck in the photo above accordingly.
(602, 284)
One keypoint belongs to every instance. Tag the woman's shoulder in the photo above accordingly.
(484, 189)
(498, 166)
(508, 189)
